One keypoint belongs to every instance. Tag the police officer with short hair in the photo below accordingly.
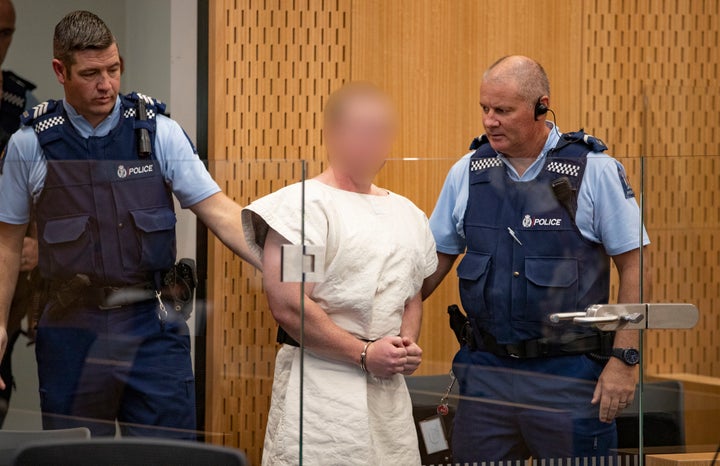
(539, 215)
(99, 169)
(16, 98)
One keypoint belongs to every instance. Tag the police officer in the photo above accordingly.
(539, 215)
(100, 169)
(16, 97)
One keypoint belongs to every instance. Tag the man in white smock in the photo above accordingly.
(363, 319)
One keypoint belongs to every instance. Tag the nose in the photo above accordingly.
(103, 83)
(489, 120)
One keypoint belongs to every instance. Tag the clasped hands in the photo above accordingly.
(393, 355)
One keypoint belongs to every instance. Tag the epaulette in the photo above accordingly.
(42, 116)
(485, 156)
(19, 81)
(593, 143)
(153, 107)
(478, 141)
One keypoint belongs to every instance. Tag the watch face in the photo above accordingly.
(632, 356)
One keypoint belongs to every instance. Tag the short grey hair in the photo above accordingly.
(529, 75)
(78, 31)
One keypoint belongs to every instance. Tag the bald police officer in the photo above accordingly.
(539, 215)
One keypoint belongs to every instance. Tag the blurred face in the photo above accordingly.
(7, 27)
(508, 118)
(361, 138)
(92, 82)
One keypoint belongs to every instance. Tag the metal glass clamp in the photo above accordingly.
(611, 317)
(300, 263)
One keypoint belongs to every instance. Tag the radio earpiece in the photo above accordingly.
(540, 108)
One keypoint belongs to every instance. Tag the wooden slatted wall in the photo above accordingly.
(433, 56)
(273, 62)
(650, 74)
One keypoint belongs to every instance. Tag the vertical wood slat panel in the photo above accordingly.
(272, 65)
(601, 57)
(430, 58)
(651, 73)
(662, 59)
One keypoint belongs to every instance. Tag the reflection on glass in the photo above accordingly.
(680, 399)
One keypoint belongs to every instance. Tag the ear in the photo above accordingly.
(122, 65)
(60, 71)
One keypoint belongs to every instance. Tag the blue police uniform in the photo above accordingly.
(528, 385)
(99, 188)
(16, 98)
(105, 212)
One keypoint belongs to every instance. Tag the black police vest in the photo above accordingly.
(14, 99)
(526, 258)
(104, 211)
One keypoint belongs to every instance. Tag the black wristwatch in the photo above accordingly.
(629, 356)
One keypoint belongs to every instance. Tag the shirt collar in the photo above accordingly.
(85, 128)
(534, 169)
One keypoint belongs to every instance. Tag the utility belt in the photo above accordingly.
(78, 289)
(175, 286)
(65, 293)
(598, 345)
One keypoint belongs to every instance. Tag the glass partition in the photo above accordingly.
(226, 337)
(680, 397)
(552, 398)
(233, 332)
(681, 178)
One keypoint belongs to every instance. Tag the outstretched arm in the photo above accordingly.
(223, 217)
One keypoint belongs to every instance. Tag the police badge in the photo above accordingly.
(527, 221)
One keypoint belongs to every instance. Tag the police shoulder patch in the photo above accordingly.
(627, 189)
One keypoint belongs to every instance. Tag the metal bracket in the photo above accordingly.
(611, 317)
(300, 263)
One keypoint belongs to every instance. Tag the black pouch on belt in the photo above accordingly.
(179, 285)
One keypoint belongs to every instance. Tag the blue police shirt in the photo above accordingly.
(25, 164)
(607, 212)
